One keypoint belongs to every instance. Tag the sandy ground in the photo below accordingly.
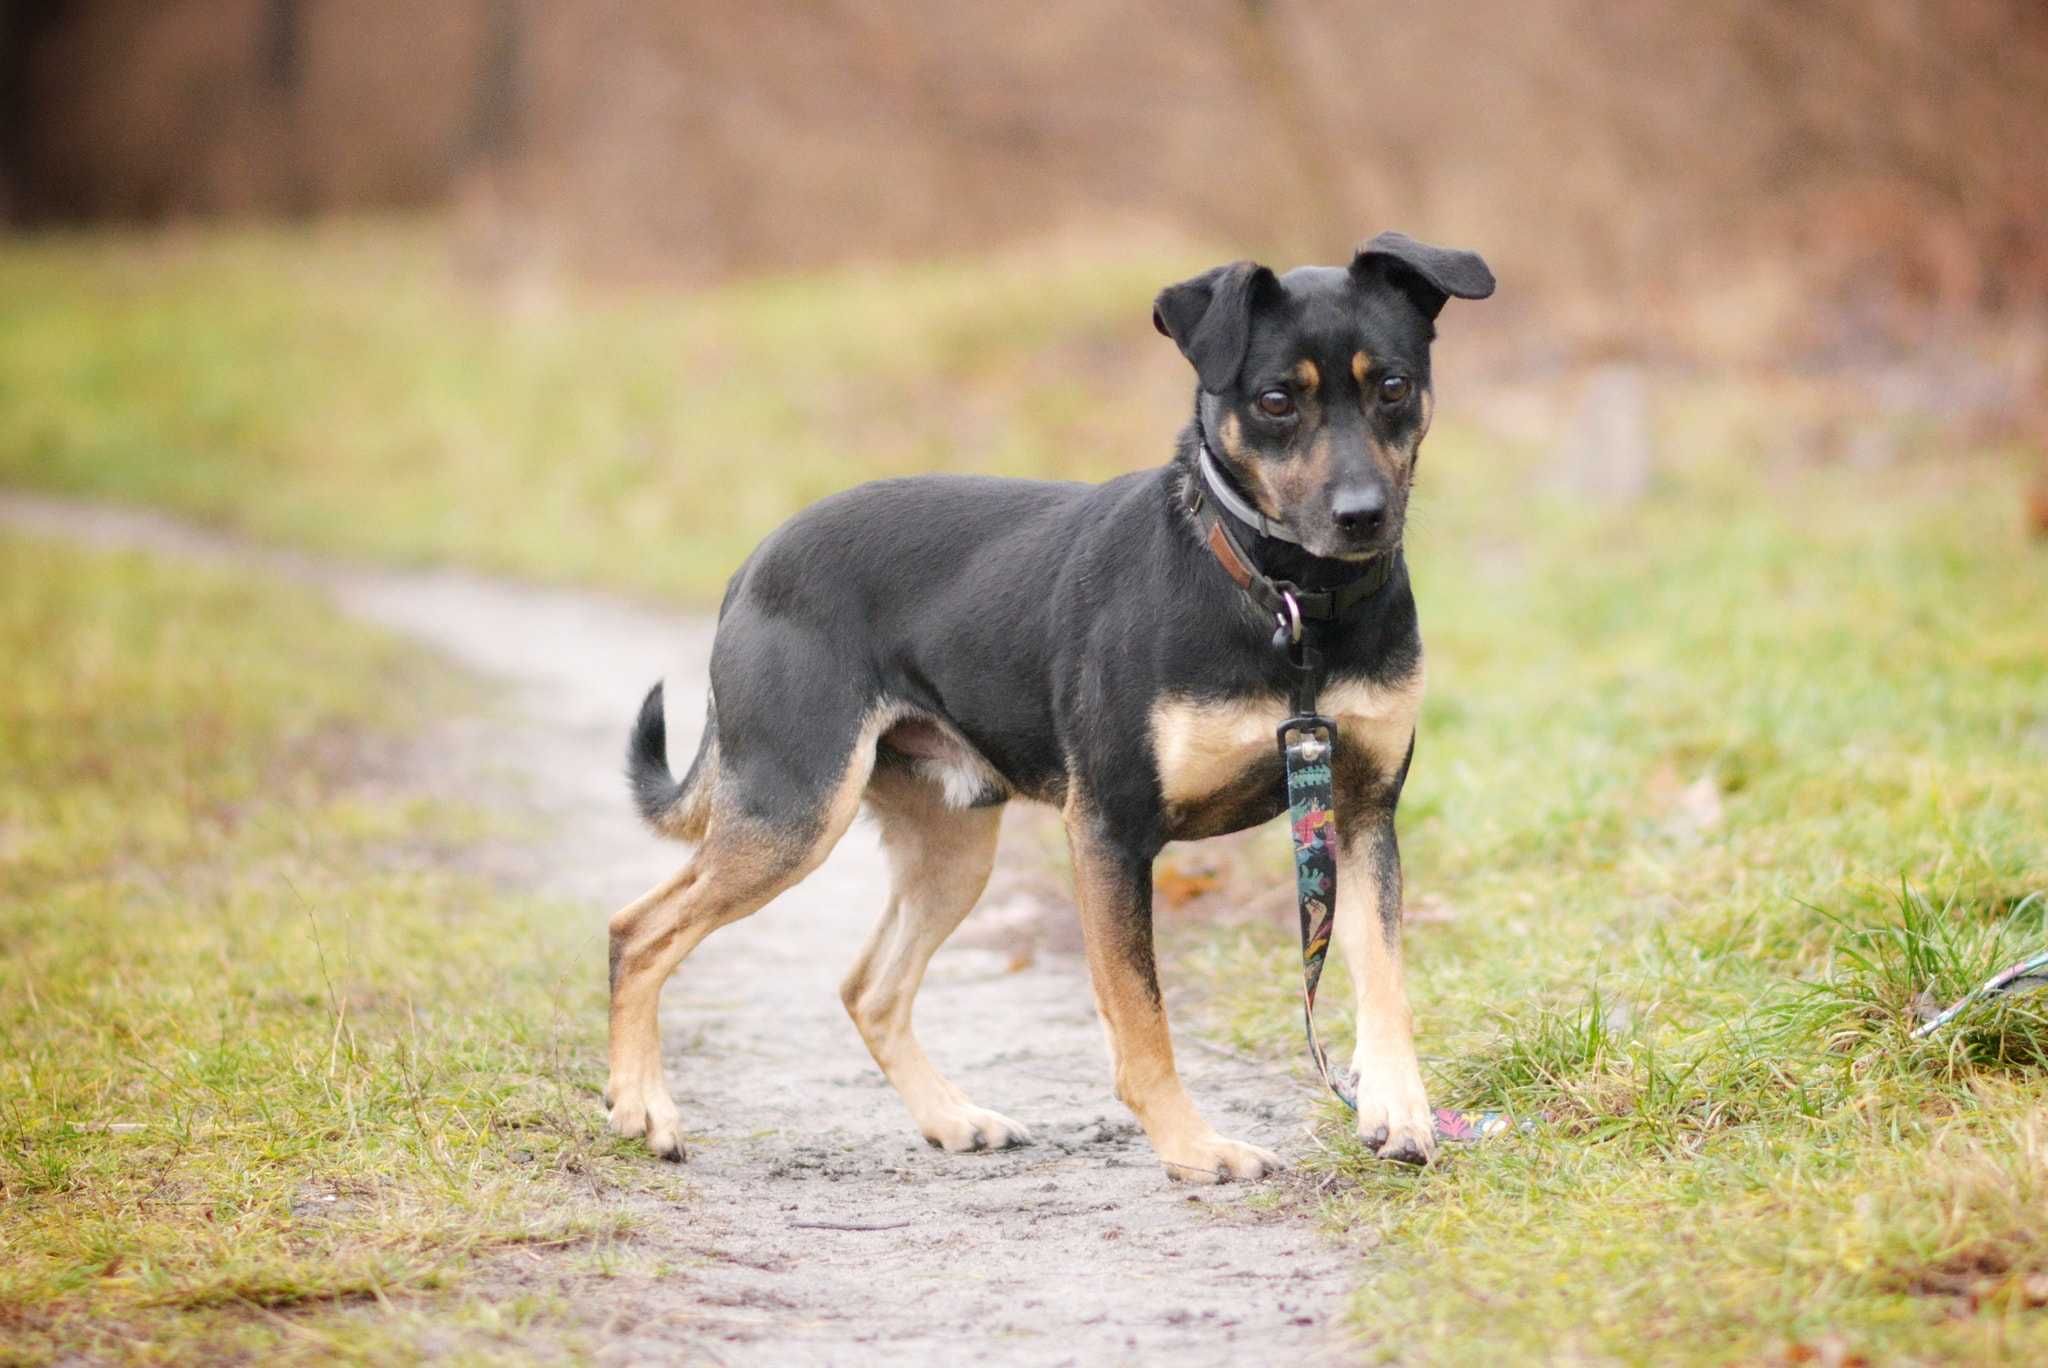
(820, 1228)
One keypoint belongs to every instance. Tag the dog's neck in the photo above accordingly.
(1280, 560)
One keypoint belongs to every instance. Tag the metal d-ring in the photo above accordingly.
(1290, 621)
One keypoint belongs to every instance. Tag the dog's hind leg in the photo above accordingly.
(746, 858)
(939, 861)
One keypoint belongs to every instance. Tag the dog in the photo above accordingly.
(934, 647)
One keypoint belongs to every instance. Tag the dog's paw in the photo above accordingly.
(1213, 1159)
(1394, 1119)
(963, 1127)
(649, 1112)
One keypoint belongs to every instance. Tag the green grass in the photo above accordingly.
(356, 397)
(1718, 793)
(262, 1045)
(1715, 791)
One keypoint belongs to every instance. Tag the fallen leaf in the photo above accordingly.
(1179, 887)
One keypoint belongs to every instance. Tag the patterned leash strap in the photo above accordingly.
(2029, 975)
(1307, 744)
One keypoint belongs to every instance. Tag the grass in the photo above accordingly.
(1716, 791)
(356, 397)
(1715, 797)
(231, 1079)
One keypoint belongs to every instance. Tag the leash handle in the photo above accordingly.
(1308, 745)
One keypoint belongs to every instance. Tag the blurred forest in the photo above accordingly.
(1661, 177)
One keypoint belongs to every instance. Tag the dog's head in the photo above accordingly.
(1315, 387)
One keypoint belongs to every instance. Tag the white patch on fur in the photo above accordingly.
(961, 781)
(962, 774)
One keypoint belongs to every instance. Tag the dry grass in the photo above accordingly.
(1714, 790)
(345, 391)
(237, 1102)
(1682, 754)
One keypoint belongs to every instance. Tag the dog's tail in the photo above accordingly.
(681, 810)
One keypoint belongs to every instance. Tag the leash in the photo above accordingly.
(2028, 976)
(1308, 746)
(1307, 739)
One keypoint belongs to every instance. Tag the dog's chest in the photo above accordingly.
(1218, 760)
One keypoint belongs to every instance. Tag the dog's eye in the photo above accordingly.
(1276, 403)
(1394, 389)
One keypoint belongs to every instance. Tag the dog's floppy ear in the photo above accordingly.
(1210, 319)
(1428, 275)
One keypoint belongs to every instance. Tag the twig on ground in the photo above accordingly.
(848, 1225)
(1228, 1053)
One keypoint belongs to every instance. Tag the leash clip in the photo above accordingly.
(1311, 737)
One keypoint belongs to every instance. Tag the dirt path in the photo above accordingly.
(1074, 1250)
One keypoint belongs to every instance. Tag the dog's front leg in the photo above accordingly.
(1114, 887)
(1393, 1110)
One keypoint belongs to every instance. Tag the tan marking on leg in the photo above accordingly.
(1307, 376)
(733, 874)
(1361, 362)
(939, 861)
(1394, 1117)
(1117, 931)
(689, 819)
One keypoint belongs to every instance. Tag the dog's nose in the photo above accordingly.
(1360, 509)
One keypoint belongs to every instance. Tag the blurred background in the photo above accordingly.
(1841, 208)
(1730, 543)
(1678, 179)
(1846, 198)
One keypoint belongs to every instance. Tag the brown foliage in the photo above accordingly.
(1867, 151)
(149, 109)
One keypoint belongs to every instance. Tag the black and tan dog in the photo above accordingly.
(934, 647)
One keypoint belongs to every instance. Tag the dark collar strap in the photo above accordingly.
(1271, 595)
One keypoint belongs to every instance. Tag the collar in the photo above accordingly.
(1233, 503)
(1289, 603)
